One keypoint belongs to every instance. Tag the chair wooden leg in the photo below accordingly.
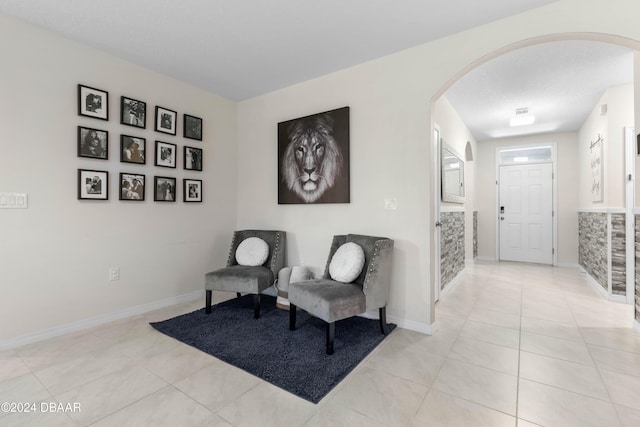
(238, 294)
(331, 333)
(383, 321)
(256, 306)
(292, 317)
(208, 302)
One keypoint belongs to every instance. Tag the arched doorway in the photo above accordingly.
(435, 190)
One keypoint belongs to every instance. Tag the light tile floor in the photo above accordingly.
(514, 344)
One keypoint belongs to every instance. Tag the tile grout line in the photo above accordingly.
(595, 364)
(446, 358)
(128, 405)
(435, 377)
(519, 354)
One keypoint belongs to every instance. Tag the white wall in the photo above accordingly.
(567, 182)
(620, 113)
(636, 96)
(54, 256)
(456, 134)
(390, 134)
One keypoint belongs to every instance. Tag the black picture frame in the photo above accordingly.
(192, 127)
(133, 149)
(93, 143)
(166, 154)
(164, 189)
(328, 179)
(93, 102)
(93, 184)
(133, 112)
(192, 158)
(192, 190)
(132, 187)
(166, 120)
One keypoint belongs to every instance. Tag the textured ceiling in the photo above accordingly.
(560, 83)
(241, 49)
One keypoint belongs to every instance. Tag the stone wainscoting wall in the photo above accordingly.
(451, 246)
(475, 234)
(593, 247)
(618, 254)
(602, 251)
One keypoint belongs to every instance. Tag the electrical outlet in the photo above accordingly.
(114, 274)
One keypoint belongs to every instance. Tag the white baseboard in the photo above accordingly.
(621, 299)
(594, 283)
(452, 284)
(411, 325)
(568, 265)
(98, 320)
(485, 258)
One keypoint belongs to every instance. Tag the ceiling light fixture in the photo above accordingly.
(522, 118)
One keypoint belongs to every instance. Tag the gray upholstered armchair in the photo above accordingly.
(248, 279)
(331, 301)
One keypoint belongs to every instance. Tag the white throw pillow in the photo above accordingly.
(252, 251)
(346, 263)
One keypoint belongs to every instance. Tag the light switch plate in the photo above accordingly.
(13, 201)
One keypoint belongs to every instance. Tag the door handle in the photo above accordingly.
(501, 218)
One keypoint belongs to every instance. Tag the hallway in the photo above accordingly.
(538, 342)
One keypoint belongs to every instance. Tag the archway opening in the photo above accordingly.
(468, 147)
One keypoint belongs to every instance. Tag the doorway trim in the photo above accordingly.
(437, 235)
(554, 184)
(630, 203)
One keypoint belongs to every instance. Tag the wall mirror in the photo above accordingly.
(452, 176)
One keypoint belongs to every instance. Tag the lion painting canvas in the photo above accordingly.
(313, 158)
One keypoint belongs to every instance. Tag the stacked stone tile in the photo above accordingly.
(451, 246)
(592, 245)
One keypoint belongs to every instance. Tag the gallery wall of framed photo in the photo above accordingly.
(147, 167)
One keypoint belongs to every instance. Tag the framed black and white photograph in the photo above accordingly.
(93, 185)
(166, 120)
(597, 177)
(192, 128)
(132, 149)
(166, 154)
(192, 158)
(313, 158)
(133, 112)
(192, 190)
(131, 186)
(164, 189)
(93, 143)
(93, 102)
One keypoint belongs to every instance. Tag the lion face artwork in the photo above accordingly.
(313, 167)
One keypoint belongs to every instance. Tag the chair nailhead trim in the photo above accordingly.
(371, 269)
(233, 242)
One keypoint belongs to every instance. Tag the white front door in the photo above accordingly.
(526, 213)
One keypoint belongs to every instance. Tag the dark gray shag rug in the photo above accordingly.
(292, 360)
